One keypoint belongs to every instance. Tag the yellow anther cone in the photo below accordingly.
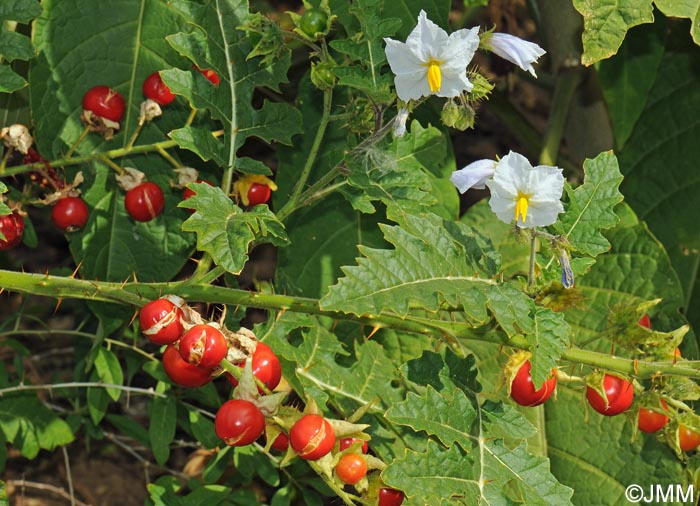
(434, 77)
(521, 208)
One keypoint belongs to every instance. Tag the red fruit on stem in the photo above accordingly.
(105, 102)
(351, 468)
(312, 437)
(522, 390)
(160, 321)
(347, 442)
(688, 439)
(258, 194)
(266, 367)
(155, 89)
(209, 74)
(182, 373)
(12, 227)
(281, 442)
(239, 422)
(650, 421)
(70, 213)
(203, 346)
(620, 394)
(645, 321)
(145, 201)
(390, 497)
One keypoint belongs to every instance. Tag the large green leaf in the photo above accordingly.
(660, 172)
(627, 77)
(224, 230)
(217, 43)
(128, 39)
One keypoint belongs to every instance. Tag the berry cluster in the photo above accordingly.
(198, 351)
(609, 395)
(103, 110)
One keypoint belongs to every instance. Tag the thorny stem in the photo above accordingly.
(138, 293)
(80, 384)
(75, 145)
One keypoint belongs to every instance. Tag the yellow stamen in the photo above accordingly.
(521, 207)
(434, 76)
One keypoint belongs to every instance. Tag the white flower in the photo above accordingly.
(514, 49)
(400, 122)
(473, 175)
(530, 196)
(431, 62)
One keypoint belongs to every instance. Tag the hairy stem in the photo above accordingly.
(311, 159)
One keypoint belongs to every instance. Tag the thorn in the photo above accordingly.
(636, 368)
(222, 318)
(335, 324)
(77, 268)
(58, 304)
(133, 276)
(280, 314)
(375, 329)
(121, 287)
(2, 290)
(133, 317)
(195, 260)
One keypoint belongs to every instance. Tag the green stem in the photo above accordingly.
(311, 158)
(134, 136)
(533, 257)
(75, 145)
(567, 83)
(138, 294)
(111, 154)
(162, 152)
(237, 372)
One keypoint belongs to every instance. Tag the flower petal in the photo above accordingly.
(459, 50)
(473, 175)
(516, 50)
(412, 86)
(401, 58)
(427, 38)
(454, 85)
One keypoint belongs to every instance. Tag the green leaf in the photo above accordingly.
(399, 175)
(434, 262)
(203, 429)
(683, 9)
(30, 426)
(636, 62)
(129, 427)
(224, 48)
(660, 177)
(224, 230)
(444, 371)
(15, 46)
(9, 81)
(109, 371)
(448, 416)
(22, 11)
(161, 430)
(606, 22)
(201, 142)
(591, 206)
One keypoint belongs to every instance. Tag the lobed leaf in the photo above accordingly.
(224, 230)
(591, 206)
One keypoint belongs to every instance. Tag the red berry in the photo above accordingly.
(266, 367)
(160, 321)
(619, 392)
(258, 194)
(312, 437)
(650, 421)
(390, 497)
(209, 74)
(239, 422)
(203, 346)
(145, 201)
(70, 213)
(12, 227)
(182, 373)
(688, 439)
(351, 468)
(522, 390)
(105, 102)
(155, 89)
(281, 442)
(645, 321)
(347, 442)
